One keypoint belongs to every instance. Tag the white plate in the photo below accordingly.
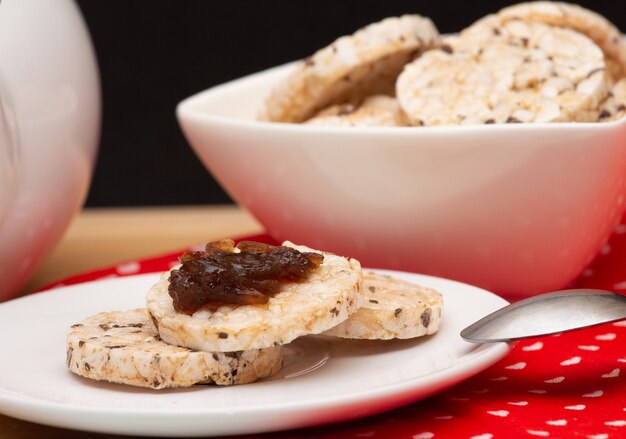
(345, 379)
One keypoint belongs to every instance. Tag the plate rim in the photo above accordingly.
(34, 409)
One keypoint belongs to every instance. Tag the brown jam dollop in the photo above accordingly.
(219, 276)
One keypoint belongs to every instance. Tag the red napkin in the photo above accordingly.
(572, 385)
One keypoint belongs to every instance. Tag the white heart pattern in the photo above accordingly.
(533, 347)
(577, 407)
(501, 413)
(571, 361)
(588, 347)
(612, 374)
(538, 433)
(555, 380)
(131, 267)
(516, 366)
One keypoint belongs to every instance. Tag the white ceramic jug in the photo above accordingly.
(49, 130)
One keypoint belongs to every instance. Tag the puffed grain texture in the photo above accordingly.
(123, 347)
(523, 72)
(392, 308)
(598, 28)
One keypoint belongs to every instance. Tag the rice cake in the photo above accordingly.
(392, 308)
(123, 347)
(351, 68)
(600, 30)
(328, 296)
(375, 111)
(524, 72)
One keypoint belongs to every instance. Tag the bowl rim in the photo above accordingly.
(186, 109)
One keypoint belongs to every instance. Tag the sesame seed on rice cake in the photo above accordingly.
(392, 308)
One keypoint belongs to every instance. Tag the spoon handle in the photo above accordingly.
(548, 314)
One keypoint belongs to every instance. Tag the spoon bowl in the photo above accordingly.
(546, 314)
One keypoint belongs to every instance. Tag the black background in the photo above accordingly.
(154, 53)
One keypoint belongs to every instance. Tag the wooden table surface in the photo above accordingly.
(101, 237)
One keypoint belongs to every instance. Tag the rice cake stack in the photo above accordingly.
(535, 62)
(159, 347)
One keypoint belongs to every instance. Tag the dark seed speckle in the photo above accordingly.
(426, 317)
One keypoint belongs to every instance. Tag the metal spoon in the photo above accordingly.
(548, 314)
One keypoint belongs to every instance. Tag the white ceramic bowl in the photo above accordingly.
(517, 209)
(50, 94)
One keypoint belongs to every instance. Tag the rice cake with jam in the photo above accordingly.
(326, 298)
